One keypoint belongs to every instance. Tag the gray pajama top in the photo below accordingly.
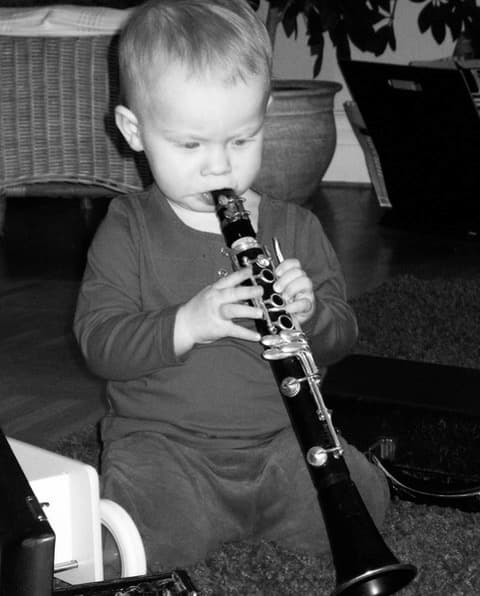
(143, 263)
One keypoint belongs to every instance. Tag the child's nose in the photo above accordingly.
(217, 162)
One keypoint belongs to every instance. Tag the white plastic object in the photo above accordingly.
(68, 491)
(127, 538)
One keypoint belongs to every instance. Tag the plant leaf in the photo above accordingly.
(315, 28)
(328, 11)
(438, 31)
(392, 40)
(318, 52)
(359, 22)
(340, 41)
(290, 18)
(425, 17)
(455, 24)
(383, 37)
(383, 5)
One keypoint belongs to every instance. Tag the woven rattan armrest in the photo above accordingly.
(57, 96)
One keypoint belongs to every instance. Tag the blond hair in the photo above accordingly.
(205, 36)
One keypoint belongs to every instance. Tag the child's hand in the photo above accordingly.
(296, 289)
(210, 314)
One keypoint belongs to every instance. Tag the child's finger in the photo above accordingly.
(240, 332)
(286, 276)
(293, 282)
(301, 304)
(286, 266)
(231, 311)
(234, 279)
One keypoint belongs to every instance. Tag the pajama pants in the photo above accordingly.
(188, 497)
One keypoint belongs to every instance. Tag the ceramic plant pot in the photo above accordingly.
(300, 138)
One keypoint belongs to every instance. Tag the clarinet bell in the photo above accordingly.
(364, 564)
(378, 582)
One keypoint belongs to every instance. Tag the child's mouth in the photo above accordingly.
(207, 197)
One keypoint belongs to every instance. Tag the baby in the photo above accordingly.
(198, 446)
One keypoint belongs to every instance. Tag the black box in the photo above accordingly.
(176, 582)
(429, 414)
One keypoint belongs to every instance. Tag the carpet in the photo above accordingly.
(428, 320)
(406, 317)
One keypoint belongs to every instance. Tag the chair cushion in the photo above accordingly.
(62, 20)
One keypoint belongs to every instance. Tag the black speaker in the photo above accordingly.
(425, 127)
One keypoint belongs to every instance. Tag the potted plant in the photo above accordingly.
(299, 148)
(367, 24)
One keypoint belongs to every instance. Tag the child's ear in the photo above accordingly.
(127, 123)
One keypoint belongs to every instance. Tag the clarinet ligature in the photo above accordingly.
(364, 564)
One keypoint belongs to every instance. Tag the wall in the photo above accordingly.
(292, 60)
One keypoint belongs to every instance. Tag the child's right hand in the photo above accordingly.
(210, 314)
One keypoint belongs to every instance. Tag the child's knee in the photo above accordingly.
(371, 483)
(175, 542)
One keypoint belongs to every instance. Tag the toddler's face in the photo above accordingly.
(200, 135)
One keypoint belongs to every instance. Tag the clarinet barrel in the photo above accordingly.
(364, 564)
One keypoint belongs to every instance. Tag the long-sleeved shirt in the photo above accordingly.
(143, 263)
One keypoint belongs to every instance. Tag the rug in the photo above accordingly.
(428, 320)
(406, 317)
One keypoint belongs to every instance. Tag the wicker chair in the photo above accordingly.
(57, 134)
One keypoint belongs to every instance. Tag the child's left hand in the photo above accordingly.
(296, 288)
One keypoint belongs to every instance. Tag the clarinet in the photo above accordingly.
(364, 564)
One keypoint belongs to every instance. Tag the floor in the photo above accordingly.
(373, 246)
(47, 239)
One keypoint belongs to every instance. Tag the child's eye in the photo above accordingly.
(191, 145)
(240, 142)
